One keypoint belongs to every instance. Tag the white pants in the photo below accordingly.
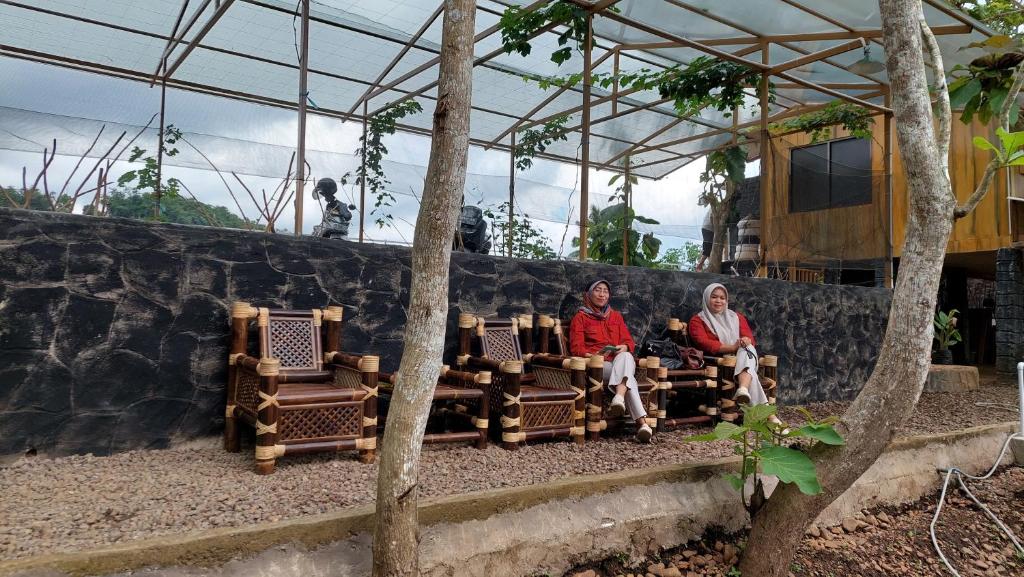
(746, 360)
(624, 367)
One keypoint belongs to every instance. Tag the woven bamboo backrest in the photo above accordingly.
(499, 343)
(293, 337)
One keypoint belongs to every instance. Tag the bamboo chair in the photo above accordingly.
(298, 398)
(541, 395)
(459, 396)
(648, 373)
(721, 369)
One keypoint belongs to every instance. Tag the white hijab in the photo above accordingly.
(726, 324)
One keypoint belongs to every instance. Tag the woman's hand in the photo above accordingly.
(623, 348)
(744, 342)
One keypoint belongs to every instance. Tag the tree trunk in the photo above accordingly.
(396, 537)
(719, 214)
(898, 378)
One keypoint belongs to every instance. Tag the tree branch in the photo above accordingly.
(993, 165)
(942, 95)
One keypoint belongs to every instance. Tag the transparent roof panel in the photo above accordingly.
(251, 52)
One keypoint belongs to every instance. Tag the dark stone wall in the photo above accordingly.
(114, 333)
(1009, 313)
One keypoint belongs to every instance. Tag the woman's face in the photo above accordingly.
(600, 295)
(718, 301)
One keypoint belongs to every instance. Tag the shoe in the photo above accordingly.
(617, 408)
(643, 434)
(775, 421)
(742, 396)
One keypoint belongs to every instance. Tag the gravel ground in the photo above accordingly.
(876, 543)
(82, 502)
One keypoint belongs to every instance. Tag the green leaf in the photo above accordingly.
(1011, 141)
(735, 480)
(757, 413)
(964, 93)
(724, 430)
(790, 466)
(126, 178)
(823, 433)
(645, 220)
(983, 144)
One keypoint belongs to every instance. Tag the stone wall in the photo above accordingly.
(1009, 313)
(114, 333)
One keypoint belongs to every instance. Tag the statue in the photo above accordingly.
(337, 216)
(472, 234)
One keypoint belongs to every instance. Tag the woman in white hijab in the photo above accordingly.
(719, 331)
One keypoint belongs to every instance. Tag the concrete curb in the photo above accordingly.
(219, 546)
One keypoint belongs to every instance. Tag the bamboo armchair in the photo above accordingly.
(298, 398)
(460, 396)
(648, 378)
(542, 396)
(718, 403)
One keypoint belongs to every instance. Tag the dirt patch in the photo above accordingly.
(876, 543)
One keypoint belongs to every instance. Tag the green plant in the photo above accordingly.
(373, 151)
(945, 329)
(610, 227)
(1009, 152)
(680, 258)
(527, 241)
(1004, 16)
(519, 26)
(533, 142)
(147, 177)
(981, 87)
(760, 443)
(856, 119)
(734, 572)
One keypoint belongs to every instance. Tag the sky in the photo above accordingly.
(39, 103)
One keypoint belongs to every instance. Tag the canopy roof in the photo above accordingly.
(380, 51)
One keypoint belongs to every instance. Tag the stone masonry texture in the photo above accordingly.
(114, 333)
(1009, 313)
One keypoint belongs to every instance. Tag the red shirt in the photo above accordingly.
(706, 340)
(588, 335)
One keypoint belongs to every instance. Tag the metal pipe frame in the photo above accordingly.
(191, 45)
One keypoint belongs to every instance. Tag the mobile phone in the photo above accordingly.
(609, 349)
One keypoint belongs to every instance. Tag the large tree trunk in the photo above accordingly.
(396, 538)
(896, 383)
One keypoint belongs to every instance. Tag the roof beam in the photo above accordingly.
(221, 9)
(812, 37)
(398, 57)
(173, 38)
(815, 57)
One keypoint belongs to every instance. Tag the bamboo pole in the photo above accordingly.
(585, 126)
(300, 173)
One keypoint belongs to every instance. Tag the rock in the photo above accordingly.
(671, 571)
(871, 520)
(688, 553)
(836, 530)
(885, 518)
(656, 569)
(850, 524)
(730, 554)
(951, 379)
(814, 531)
(587, 573)
(719, 545)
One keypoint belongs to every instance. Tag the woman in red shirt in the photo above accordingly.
(598, 329)
(719, 331)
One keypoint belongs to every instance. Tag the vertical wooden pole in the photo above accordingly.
(266, 416)
(595, 397)
(765, 183)
(585, 139)
(362, 179)
(512, 407)
(626, 190)
(887, 170)
(578, 368)
(369, 373)
(158, 191)
(511, 190)
(615, 81)
(300, 174)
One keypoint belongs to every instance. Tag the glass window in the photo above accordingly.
(830, 175)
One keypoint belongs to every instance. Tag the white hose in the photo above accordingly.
(960, 475)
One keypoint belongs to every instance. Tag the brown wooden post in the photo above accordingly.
(545, 323)
(663, 386)
(240, 315)
(511, 191)
(512, 407)
(333, 316)
(674, 331)
(595, 396)
(369, 367)
(526, 333)
(711, 393)
(765, 145)
(300, 169)
(727, 383)
(466, 324)
(585, 138)
(362, 180)
(578, 366)
(887, 170)
(651, 365)
(769, 365)
(626, 188)
(267, 449)
(482, 424)
(557, 334)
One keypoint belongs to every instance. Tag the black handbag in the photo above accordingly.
(672, 355)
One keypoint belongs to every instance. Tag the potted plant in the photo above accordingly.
(946, 335)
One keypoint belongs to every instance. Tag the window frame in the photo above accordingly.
(830, 174)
